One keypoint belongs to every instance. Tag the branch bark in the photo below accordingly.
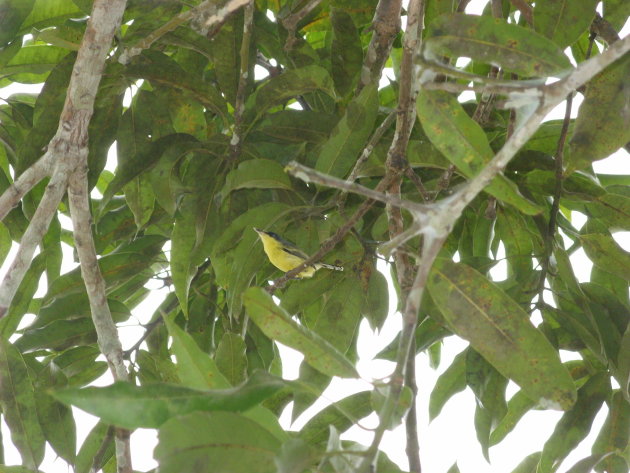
(68, 150)
(386, 26)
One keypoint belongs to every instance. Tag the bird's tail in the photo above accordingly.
(329, 266)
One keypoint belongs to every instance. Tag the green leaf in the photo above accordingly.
(517, 407)
(595, 135)
(23, 296)
(297, 126)
(256, 174)
(464, 144)
(341, 414)
(339, 153)
(100, 440)
(489, 388)
(58, 425)
(230, 358)
(79, 365)
(495, 41)
(278, 325)
(160, 69)
(295, 456)
(33, 63)
(225, 50)
(50, 12)
(140, 199)
(563, 21)
(129, 406)
(451, 382)
(58, 335)
(196, 369)
(17, 398)
(613, 210)
(346, 51)
(375, 306)
(500, 330)
(166, 150)
(604, 251)
(588, 464)
(575, 424)
(614, 435)
(338, 319)
(623, 364)
(216, 442)
(285, 86)
(116, 268)
(5, 242)
(13, 13)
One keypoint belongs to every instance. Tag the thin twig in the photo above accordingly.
(365, 154)
(411, 421)
(413, 177)
(329, 244)
(396, 164)
(525, 9)
(485, 105)
(205, 16)
(243, 79)
(367, 151)
(291, 22)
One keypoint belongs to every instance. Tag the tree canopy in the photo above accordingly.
(360, 130)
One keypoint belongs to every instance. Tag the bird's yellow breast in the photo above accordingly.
(283, 260)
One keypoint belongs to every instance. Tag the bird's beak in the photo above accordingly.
(258, 230)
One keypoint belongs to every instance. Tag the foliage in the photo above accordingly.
(201, 149)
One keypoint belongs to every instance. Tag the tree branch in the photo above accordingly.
(386, 26)
(32, 237)
(24, 183)
(203, 17)
(241, 91)
(290, 22)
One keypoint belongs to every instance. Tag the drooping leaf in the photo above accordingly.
(563, 21)
(339, 153)
(160, 69)
(575, 424)
(129, 406)
(614, 436)
(196, 369)
(464, 143)
(230, 358)
(452, 381)
(495, 41)
(604, 251)
(500, 330)
(595, 136)
(13, 13)
(346, 51)
(286, 86)
(17, 398)
(278, 325)
(256, 174)
(216, 442)
(341, 415)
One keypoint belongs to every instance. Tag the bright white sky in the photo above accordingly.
(449, 438)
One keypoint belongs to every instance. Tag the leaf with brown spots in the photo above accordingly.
(495, 41)
(500, 330)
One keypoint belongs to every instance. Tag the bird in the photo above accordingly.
(285, 256)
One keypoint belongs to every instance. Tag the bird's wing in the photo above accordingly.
(295, 252)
